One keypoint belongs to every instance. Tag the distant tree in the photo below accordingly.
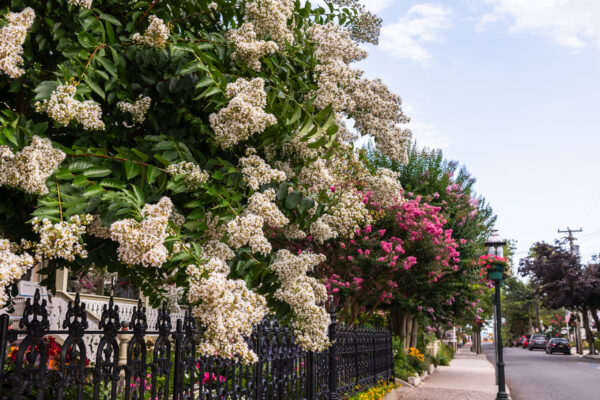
(518, 305)
(560, 280)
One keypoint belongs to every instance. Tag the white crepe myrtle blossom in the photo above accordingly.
(248, 230)
(262, 204)
(321, 231)
(244, 116)
(81, 3)
(12, 267)
(60, 240)
(257, 172)
(12, 37)
(348, 214)
(194, 175)
(293, 232)
(386, 187)
(217, 250)
(375, 109)
(305, 296)
(216, 230)
(137, 109)
(30, 167)
(142, 242)
(63, 107)
(270, 19)
(317, 176)
(156, 35)
(247, 48)
(335, 50)
(226, 308)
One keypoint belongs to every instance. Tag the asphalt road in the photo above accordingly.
(535, 375)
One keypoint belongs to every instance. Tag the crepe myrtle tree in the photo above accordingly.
(174, 141)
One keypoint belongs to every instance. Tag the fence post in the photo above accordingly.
(311, 376)
(177, 372)
(390, 348)
(333, 359)
(3, 339)
(355, 344)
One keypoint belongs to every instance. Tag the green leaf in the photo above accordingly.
(108, 66)
(208, 80)
(45, 89)
(94, 86)
(97, 172)
(80, 165)
(306, 204)
(282, 191)
(93, 190)
(64, 174)
(112, 183)
(293, 199)
(131, 170)
(152, 174)
(208, 92)
(111, 19)
(139, 195)
(45, 211)
(189, 68)
(81, 181)
(295, 117)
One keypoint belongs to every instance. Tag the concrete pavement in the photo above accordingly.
(469, 377)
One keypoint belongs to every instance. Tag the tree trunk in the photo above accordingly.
(413, 333)
(589, 335)
(594, 313)
(397, 316)
(406, 325)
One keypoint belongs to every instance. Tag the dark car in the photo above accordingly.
(538, 342)
(558, 345)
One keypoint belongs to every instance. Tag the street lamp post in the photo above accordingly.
(495, 246)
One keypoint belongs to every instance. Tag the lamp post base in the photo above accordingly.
(502, 396)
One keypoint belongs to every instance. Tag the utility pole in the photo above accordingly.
(571, 240)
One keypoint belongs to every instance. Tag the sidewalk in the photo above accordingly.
(469, 377)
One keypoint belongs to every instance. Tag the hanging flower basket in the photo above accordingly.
(493, 267)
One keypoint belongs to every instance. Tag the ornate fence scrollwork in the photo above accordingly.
(166, 363)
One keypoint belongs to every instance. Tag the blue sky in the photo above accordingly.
(511, 89)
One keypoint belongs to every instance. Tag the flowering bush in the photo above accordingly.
(556, 324)
(180, 142)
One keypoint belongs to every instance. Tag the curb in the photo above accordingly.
(415, 381)
(399, 381)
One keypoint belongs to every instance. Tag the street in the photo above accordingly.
(535, 375)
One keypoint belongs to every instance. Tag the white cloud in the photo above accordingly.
(421, 24)
(377, 5)
(426, 134)
(570, 23)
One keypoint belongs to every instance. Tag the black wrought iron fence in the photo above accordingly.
(170, 367)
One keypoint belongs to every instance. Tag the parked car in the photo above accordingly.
(537, 342)
(558, 345)
(523, 340)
